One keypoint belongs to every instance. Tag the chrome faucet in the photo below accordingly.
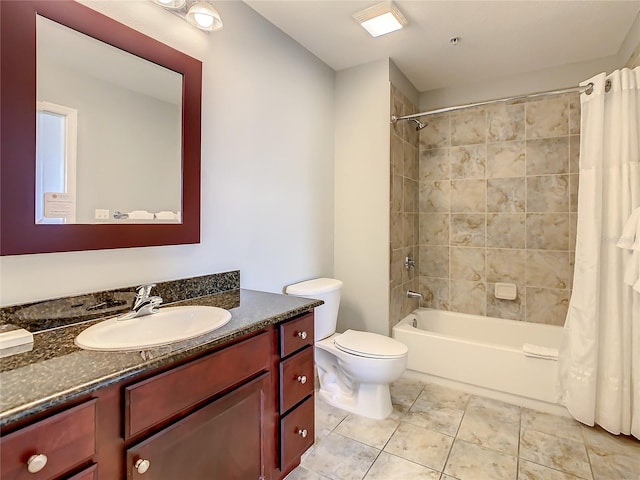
(144, 303)
(412, 294)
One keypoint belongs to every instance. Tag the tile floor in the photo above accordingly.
(437, 433)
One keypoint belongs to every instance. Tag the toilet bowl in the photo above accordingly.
(354, 368)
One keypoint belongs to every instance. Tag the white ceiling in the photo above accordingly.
(498, 38)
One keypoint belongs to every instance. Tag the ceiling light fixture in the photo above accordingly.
(199, 13)
(381, 19)
(173, 4)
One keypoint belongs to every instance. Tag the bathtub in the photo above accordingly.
(482, 352)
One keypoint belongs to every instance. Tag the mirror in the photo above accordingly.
(108, 132)
(95, 153)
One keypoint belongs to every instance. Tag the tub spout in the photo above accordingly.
(412, 294)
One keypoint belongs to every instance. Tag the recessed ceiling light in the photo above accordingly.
(381, 19)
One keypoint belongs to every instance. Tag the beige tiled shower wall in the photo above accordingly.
(404, 209)
(497, 200)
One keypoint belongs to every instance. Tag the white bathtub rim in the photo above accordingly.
(497, 320)
(405, 325)
(512, 399)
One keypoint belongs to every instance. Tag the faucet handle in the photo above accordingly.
(143, 291)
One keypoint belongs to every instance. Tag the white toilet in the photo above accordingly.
(355, 368)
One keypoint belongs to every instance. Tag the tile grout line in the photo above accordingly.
(584, 442)
(455, 437)
(555, 468)
(390, 436)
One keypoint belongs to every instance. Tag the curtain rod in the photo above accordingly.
(582, 88)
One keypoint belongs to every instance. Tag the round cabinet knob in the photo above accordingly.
(303, 432)
(302, 379)
(142, 465)
(36, 462)
(302, 335)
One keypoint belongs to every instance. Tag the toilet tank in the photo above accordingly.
(328, 290)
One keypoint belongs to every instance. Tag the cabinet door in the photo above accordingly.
(224, 440)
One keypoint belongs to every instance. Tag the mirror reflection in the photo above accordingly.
(109, 133)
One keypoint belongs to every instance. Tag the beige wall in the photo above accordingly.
(520, 84)
(497, 203)
(634, 59)
(629, 53)
(361, 242)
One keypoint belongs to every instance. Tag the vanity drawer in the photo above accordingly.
(66, 439)
(90, 473)
(296, 334)
(296, 378)
(296, 433)
(164, 396)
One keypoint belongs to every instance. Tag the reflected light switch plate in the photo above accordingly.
(101, 214)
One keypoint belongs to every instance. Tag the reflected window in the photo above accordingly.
(56, 133)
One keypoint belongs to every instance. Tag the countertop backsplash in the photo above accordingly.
(53, 313)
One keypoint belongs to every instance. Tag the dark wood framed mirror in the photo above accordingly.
(19, 233)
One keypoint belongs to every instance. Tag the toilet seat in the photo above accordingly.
(370, 345)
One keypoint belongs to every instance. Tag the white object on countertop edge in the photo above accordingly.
(15, 340)
(15, 337)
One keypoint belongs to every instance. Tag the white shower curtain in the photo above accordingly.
(600, 354)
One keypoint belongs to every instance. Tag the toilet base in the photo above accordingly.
(366, 400)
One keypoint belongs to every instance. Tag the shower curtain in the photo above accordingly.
(600, 353)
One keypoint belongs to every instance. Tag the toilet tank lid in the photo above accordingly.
(370, 344)
(314, 287)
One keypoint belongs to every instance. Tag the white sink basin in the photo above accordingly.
(169, 325)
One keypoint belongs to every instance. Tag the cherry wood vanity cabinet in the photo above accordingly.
(295, 391)
(241, 411)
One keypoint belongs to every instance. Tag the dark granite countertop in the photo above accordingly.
(56, 371)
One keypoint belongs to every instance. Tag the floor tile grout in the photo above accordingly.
(446, 461)
(541, 425)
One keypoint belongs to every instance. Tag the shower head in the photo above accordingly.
(419, 124)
